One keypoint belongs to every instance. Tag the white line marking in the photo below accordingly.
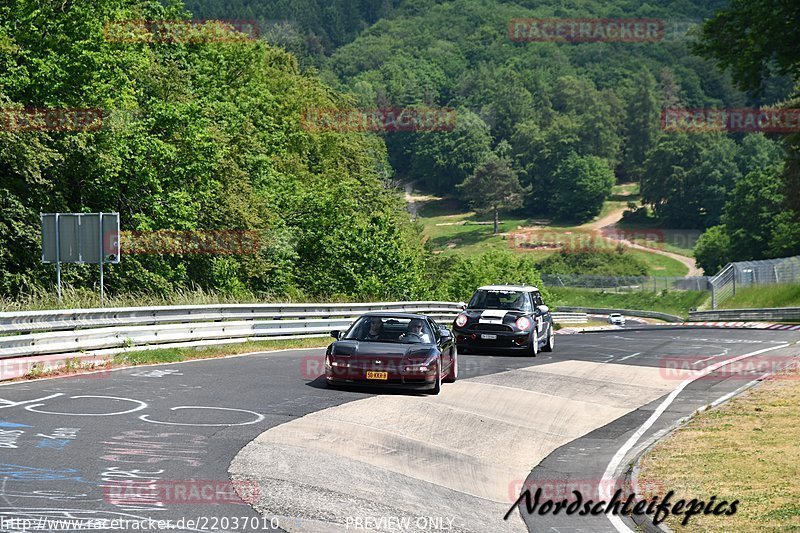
(629, 356)
(258, 419)
(141, 406)
(704, 360)
(9, 403)
(608, 475)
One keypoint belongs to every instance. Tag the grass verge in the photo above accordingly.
(762, 296)
(745, 450)
(674, 303)
(660, 265)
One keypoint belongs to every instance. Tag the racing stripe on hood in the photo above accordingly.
(492, 316)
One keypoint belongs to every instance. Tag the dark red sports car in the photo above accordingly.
(393, 350)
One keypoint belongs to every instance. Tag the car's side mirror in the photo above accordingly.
(462, 305)
(542, 310)
(336, 334)
(445, 332)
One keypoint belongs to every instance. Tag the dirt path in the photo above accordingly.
(605, 226)
(415, 202)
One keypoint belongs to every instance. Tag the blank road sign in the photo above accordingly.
(83, 238)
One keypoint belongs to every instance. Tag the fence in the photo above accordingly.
(747, 273)
(627, 283)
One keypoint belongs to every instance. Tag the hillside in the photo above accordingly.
(214, 142)
(307, 27)
(568, 118)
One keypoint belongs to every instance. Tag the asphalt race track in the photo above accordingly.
(147, 442)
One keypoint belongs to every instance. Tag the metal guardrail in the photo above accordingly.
(36, 333)
(62, 320)
(570, 318)
(628, 312)
(58, 332)
(778, 314)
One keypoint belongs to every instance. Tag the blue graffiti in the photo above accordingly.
(4, 424)
(29, 473)
(56, 444)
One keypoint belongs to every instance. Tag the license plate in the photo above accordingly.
(488, 337)
(378, 375)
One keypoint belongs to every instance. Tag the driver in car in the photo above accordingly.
(414, 333)
(375, 331)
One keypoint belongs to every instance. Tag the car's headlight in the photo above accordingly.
(524, 323)
(461, 320)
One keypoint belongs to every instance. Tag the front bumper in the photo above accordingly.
(402, 380)
(389, 384)
(516, 341)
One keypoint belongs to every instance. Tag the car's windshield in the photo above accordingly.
(390, 329)
(499, 299)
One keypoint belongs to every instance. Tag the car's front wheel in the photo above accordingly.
(437, 387)
(551, 340)
(534, 349)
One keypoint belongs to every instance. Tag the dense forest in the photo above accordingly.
(215, 143)
(310, 28)
(558, 109)
(214, 137)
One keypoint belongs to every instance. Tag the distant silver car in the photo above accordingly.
(616, 319)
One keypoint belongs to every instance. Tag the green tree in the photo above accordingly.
(785, 238)
(443, 159)
(687, 177)
(643, 126)
(580, 186)
(750, 210)
(493, 186)
(753, 40)
(217, 142)
(712, 250)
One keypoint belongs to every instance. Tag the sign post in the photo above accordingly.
(80, 238)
